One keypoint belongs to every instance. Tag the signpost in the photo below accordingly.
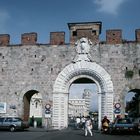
(47, 111)
(117, 110)
(48, 115)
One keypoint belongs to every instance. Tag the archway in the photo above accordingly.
(36, 109)
(83, 102)
(26, 103)
(132, 104)
(81, 69)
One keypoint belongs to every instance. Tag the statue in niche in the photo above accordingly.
(82, 48)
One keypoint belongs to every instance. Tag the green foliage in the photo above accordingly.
(129, 74)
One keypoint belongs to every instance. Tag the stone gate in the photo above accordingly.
(51, 68)
(72, 72)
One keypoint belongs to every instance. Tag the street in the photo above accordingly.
(69, 134)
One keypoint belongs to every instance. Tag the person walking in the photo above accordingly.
(78, 122)
(88, 126)
(83, 119)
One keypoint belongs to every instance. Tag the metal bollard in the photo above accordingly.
(35, 124)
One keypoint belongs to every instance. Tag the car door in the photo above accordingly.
(1, 123)
(7, 122)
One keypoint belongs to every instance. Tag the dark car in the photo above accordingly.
(122, 125)
(13, 123)
(139, 128)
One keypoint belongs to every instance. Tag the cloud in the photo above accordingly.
(4, 17)
(109, 6)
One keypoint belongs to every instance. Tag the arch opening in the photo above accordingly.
(32, 107)
(132, 104)
(83, 102)
(83, 80)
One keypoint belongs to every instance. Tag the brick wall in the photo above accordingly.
(4, 39)
(89, 33)
(90, 30)
(57, 38)
(137, 35)
(29, 38)
(114, 36)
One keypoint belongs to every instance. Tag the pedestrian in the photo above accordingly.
(88, 126)
(32, 121)
(83, 122)
(78, 122)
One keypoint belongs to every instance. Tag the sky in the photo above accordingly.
(45, 16)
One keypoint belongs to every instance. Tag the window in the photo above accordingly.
(74, 33)
(8, 120)
(16, 119)
(124, 121)
(1, 119)
(94, 32)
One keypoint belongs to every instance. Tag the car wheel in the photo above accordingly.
(12, 128)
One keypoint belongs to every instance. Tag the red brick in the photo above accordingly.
(57, 38)
(137, 35)
(4, 39)
(29, 38)
(114, 36)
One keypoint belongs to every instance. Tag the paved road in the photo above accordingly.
(41, 134)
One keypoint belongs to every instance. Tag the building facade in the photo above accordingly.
(77, 108)
(50, 69)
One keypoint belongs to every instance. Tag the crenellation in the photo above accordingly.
(57, 38)
(29, 38)
(137, 35)
(77, 30)
(114, 36)
(4, 39)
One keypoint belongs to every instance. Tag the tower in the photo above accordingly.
(87, 97)
(91, 30)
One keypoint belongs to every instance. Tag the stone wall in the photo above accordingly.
(36, 67)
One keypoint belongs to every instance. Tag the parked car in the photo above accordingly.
(139, 128)
(123, 125)
(13, 123)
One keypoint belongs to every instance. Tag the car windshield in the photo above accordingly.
(16, 119)
(124, 121)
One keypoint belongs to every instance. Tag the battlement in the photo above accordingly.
(114, 36)
(29, 38)
(57, 38)
(92, 30)
(4, 39)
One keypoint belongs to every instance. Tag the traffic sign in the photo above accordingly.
(117, 105)
(117, 111)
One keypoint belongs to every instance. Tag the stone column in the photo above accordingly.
(60, 110)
